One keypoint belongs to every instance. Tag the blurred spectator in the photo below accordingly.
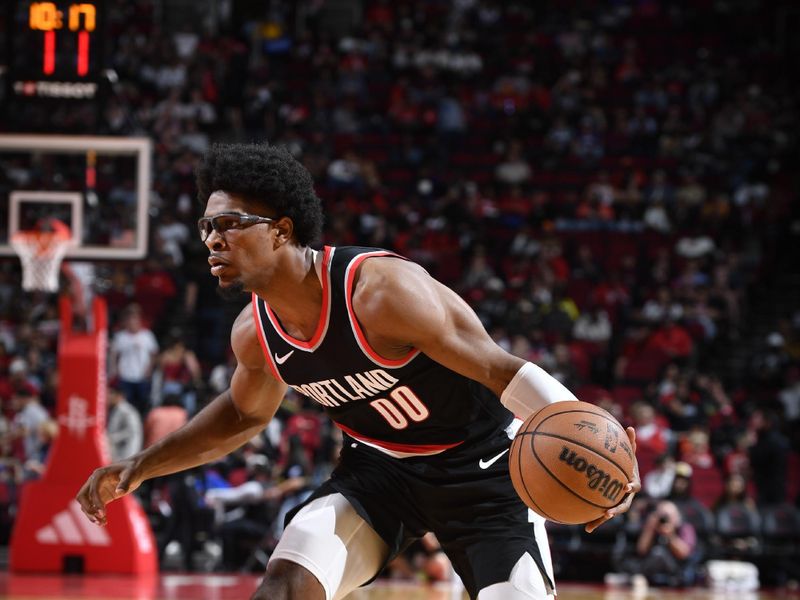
(789, 396)
(768, 458)
(656, 217)
(479, 271)
(560, 137)
(155, 288)
(220, 377)
(693, 247)
(666, 547)
(681, 483)
(671, 340)
(346, 173)
(188, 521)
(559, 314)
(294, 480)
(694, 449)
(17, 380)
(35, 464)
(423, 557)
(132, 358)
(735, 492)
(302, 431)
(737, 460)
(171, 236)
(658, 482)
(771, 361)
(177, 372)
(26, 425)
(593, 326)
(514, 169)
(734, 504)
(163, 420)
(662, 307)
(5, 433)
(652, 439)
(124, 428)
(244, 513)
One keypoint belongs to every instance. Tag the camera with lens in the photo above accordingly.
(663, 519)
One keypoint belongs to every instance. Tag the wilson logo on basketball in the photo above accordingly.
(599, 480)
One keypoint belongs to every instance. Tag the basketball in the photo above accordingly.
(571, 461)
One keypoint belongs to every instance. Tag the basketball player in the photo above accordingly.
(425, 398)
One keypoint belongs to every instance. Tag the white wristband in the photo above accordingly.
(533, 388)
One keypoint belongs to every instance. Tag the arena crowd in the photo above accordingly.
(611, 185)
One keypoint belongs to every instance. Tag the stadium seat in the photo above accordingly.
(626, 395)
(707, 484)
(780, 530)
(591, 393)
(738, 532)
(645, 367)
(793, 475)
(564, 538)
(701, 518)
(598, 552)
(609, 538)
(565, 542)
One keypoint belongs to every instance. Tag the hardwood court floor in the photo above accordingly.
(237, 587)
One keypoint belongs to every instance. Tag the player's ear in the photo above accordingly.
(284, 227)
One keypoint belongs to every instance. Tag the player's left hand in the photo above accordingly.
(630, 490)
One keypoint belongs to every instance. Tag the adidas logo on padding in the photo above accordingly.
(72, 528)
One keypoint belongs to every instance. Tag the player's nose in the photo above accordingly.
(214, 240)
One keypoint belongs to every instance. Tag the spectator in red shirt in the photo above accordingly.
(652, 439)
(671, 340)
(17, 380)
(164, 419)
(695, 451)
(154, 288)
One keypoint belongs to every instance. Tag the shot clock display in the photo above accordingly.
(56, 48)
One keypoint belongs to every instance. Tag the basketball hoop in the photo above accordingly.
(41, 253)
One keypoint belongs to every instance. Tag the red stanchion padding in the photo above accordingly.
(51, 534)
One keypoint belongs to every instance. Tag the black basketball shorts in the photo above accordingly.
(463, 495)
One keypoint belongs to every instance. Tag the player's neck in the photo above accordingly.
(294, 293)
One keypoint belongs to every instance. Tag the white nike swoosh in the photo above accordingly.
(282, 359)
(485, 464)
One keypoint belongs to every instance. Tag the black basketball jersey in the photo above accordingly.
(410, 406)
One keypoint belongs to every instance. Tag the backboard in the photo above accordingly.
(98, 186)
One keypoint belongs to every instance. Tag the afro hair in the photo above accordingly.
(265, 175)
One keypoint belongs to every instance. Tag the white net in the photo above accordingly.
(41, 253)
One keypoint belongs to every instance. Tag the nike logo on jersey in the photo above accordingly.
(282, 359)
(485, 464)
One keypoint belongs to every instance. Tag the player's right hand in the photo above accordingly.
(107, 484)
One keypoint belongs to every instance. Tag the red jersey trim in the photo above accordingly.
(263, 340)
(350, 275)
(324, 316)
(394, 447)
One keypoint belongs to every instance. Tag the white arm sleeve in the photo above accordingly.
(533, 388)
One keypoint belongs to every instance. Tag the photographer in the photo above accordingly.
(666, 547)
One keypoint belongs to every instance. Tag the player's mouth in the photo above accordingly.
(218, 265)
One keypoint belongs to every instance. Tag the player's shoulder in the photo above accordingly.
(387, 273)
(392, 290)
(372, 269)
